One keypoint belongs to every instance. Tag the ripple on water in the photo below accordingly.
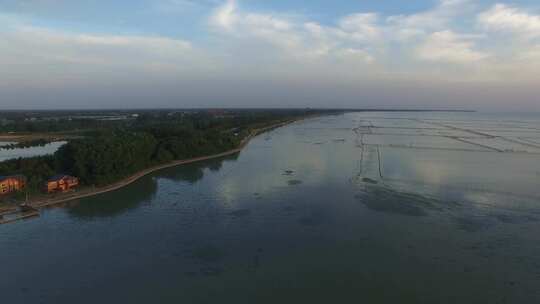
(515, 219)
(472, 224)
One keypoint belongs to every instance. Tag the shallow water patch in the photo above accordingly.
(387, 200)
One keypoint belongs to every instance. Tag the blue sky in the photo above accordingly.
(419, 53)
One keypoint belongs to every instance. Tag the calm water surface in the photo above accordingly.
(361, 207)
(47, 149)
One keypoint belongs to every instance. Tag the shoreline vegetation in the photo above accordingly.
(33, 205)
(65, 197)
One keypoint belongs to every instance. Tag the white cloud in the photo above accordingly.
(363, 44)
(504, 18)
(296, 39)
(225, 16)
(447, 46)
(361, 27)
(357, 55)
(404, 27)
(360, 44)
(38, 56)
(531, 56)
(367, 35)
(281, 51)
(267, 21)
(47, 44)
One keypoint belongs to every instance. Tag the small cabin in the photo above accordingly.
(11, 184)
(61, 183)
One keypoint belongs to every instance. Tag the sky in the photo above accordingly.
(439, 54)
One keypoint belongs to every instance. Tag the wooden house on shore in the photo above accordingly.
(11, 184)
(61, 183)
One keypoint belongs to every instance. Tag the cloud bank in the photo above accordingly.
(455, 44)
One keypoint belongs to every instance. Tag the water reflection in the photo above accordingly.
(47, 149)
(299, 222)
(6, 143)
(194, 172)
(117, 202)
(143, 190)
(387, 200)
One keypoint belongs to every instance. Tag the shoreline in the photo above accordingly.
(42, 203)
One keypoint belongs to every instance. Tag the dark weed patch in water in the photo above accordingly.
(390, 201)
(294, 182)
(240, 213)
(208, 254)
(288, 172)
(369, 181)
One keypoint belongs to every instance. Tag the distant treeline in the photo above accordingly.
(106, 155)
(57, 125)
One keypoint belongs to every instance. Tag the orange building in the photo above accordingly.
(10, 184)
(61, 183)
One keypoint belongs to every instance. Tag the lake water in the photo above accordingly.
(355, 208)
(6, 143)
(47, 149)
